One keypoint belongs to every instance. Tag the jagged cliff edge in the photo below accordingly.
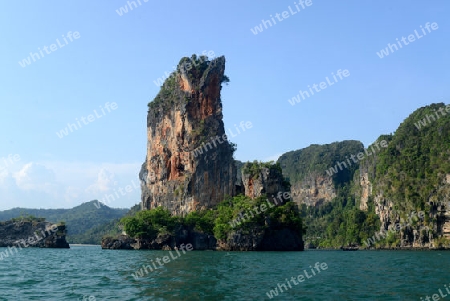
(187, 109)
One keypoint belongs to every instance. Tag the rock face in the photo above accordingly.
(314, 190)
(416, 234)
(396, 210)
(314, 174)
(257, 179)
(256, 240)
(262, 240)
(32, 234)
(122, 242)
(366, 190)
(439, 202)
(268, 180)
(184, 235)
(189, 163)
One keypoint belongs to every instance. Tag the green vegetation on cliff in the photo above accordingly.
(165, 96)
(28, 218)
(220, 221)
(339, 222)
(253, 169)
(416, 160)
(316, 159)
(241, 213)
(149, 223)
(410, 175)
(194, 68)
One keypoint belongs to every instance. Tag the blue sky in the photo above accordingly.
(116, 59)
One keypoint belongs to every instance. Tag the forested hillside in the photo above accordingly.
(410, 174)
(336, 220)
(85, 223)
(316, 159)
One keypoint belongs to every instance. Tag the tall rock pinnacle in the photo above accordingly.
(189, 163)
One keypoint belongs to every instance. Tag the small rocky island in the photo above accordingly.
(193, 190)
(32, 232)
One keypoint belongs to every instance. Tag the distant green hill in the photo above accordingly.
(111, 228)
(85, 223)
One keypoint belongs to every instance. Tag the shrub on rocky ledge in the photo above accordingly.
(239, 213)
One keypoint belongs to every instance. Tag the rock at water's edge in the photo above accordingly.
(38, 234)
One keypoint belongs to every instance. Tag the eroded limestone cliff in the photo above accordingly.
(414, 232)
(32, 233)
(315, 174)
(260, 179)
(189, 166)
(189, 163)
(409, 177)
(314, 190)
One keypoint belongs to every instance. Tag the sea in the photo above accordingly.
(90, 273)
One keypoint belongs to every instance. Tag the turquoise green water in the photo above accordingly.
(89, 273)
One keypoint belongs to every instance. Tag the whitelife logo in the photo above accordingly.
(124, 9)
(30, 241)
(356, 158)
(7, 162)
(199, 150)
(411, 38)
(423, 122)
(109, 198)
(53, 47)
(280, 17)
(187, 65)
(243, 217)
(300, 278)
(140, 273)
(319, 87)
(90, 118)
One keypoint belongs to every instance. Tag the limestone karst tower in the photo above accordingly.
(184, 119)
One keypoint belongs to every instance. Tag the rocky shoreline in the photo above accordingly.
(32, 233)
(274, 240)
